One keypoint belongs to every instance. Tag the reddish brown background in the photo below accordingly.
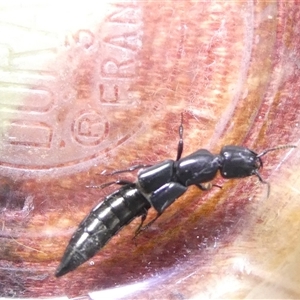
(233, 69)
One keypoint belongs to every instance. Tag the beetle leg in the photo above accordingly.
(207, 186)
(104, 185)
(143, 218)
(130, 169)
(180, 142)
(141, 227)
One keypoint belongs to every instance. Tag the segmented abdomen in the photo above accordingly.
(104, 221)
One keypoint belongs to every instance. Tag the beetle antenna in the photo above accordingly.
(275, 148)
(264, 182)
(262, 154)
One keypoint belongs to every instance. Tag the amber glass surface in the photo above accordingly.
(88, 87)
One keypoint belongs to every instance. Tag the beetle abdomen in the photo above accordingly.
(104, 221)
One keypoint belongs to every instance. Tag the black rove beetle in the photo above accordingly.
(158, 186)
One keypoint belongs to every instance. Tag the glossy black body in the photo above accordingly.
(157, 186)
(103, 222)
(198, 167)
